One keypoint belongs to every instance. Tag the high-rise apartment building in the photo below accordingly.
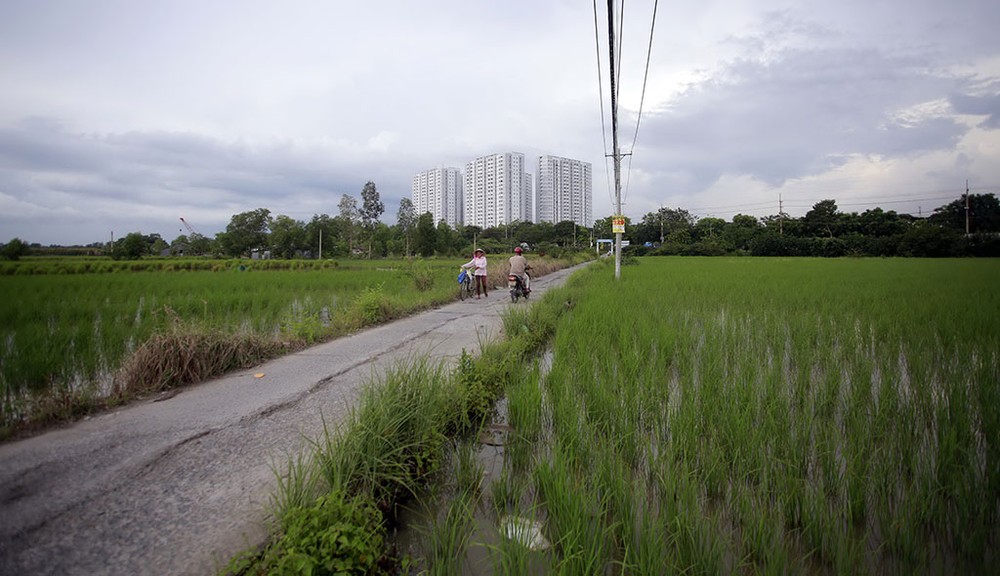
(439, 191)
(565, 191)
(498, 191)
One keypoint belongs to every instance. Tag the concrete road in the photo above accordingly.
(179, 483)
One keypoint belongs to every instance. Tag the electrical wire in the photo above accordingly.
(600, 91)
(642, 100)
(621, 40)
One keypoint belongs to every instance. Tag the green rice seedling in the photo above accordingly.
(524, 406)
(839, 426)
(448, 537)
(575, 516)
(468, 471)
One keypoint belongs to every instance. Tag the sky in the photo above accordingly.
(121, 116)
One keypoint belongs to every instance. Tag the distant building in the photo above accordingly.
(439, 191)
(565, 191)
(498, 191)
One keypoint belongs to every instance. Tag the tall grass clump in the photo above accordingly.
(335, 505)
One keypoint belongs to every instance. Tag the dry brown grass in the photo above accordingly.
(175, 359)
(539, 267)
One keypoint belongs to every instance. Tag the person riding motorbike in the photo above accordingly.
(519, 267)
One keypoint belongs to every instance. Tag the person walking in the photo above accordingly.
(478, 266)
(519, 267)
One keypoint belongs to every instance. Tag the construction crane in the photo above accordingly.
(190, 228)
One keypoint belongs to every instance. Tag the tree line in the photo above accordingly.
(826, 231)
(357, 231)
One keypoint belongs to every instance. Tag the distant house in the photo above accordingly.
(177, 249)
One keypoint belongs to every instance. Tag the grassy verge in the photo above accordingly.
(390, 448)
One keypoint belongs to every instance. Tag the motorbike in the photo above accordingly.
(516, 286)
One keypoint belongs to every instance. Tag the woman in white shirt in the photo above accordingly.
(478, 264)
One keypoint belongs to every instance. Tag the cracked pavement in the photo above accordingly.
(179, 483)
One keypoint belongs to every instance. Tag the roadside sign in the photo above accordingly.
(618, 224)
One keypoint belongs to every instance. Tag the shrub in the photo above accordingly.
(423, 277)
(336, 535)
(371, 307)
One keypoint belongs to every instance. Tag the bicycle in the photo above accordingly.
(465, 286)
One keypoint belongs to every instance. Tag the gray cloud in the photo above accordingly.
(128, 115)
(980, 105)
(779, 113)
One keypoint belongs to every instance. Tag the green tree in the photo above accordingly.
(288, 236)
(740, 232)
(382, 240)
(925, 240)
(822, 219)
(447, 240)
(14, 249)
(199, 245)
(677, 225)
(157, 245)
(984, 214)
(602, 228)
(371, 210)
(564, 233)
(426, 235)
(877, 224)
(323, 229)
(132, 246)
(709, 228)
(349, 216)
(246, 231)
(406, 219)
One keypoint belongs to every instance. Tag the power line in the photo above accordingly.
(600, 91)
(642, 98)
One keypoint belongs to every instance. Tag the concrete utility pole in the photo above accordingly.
(614, 138)
(966, 207)
(781, 217)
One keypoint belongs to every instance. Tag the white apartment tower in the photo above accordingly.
(498, 191)
(565, 190)
(439, 191)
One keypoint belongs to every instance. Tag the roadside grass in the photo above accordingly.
(408, 434)
(76, 339)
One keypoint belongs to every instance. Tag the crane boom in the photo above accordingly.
(190, 228)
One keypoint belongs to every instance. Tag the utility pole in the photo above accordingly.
(661, 224)
(320, 243)
(966, 207)
(781, 217)
(614, 138)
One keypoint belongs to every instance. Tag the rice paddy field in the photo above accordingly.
(747, 415)
(66, 327)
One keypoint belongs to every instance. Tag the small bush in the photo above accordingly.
(371, 307)
(423, 277)
(336, 535)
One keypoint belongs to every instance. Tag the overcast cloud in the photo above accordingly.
(125, 115)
